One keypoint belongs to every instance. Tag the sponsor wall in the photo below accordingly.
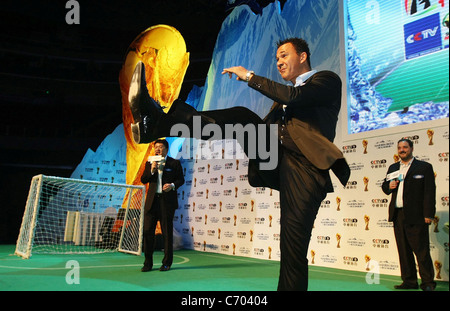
(219, 211)
(352, 230)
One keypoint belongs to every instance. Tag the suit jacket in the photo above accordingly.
(311, 117)
(172, 173)
(419, 192)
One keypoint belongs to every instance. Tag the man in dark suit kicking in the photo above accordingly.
(413, 205)
(305, 114)
(164, 176)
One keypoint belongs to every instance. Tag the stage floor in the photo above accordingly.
(191, 271)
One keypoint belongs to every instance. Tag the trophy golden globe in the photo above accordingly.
(192, 231)
(366, 220)
(218, 232)
(396, 158)
(365, 143)
(270, 220)
(235, 218)
(207, 192)
(195, 181)
(204, 245)
(221, 180)
(220, 206)
(270, 252)
(338, 201)
(366, 183)
(251, 235)
(436, 223)
(181, 218)
(235, 192)
(313, 254)
(438, 267)
(234, 249)
(158, 227)
(193, 206)
(338, 238)
(206, 219)
(209, 165)
(252, 203)
(237, 164)
(430, 134)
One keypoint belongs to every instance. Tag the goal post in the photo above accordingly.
(74, 216)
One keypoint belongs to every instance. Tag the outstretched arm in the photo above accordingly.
(242, 74)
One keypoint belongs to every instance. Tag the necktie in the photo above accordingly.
(160, 173)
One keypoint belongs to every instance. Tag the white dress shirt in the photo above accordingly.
(161, 165)
(402, 173)
(300, 81)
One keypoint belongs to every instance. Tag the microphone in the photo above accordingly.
(155, 158)
(393, 175)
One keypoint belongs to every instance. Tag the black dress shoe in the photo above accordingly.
(164, 268)
(146, 268)
(145, 110)
(428, 287)
(406, 286)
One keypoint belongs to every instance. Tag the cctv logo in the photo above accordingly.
(422, 36)
(425, 34)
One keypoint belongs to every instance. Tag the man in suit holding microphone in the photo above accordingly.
(413, 205)
(164, 175)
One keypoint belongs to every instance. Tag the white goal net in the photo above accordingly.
(67, 216)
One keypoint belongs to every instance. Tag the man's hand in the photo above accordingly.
(168, 187)
(393, 184)
(154, 167)
(239, 71)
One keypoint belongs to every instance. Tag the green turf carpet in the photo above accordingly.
(191, 271)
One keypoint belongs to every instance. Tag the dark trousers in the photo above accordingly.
(302, 189)
(183, 113)
(413, 239)
(165, 217)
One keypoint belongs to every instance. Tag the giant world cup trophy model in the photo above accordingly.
(162, 49)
